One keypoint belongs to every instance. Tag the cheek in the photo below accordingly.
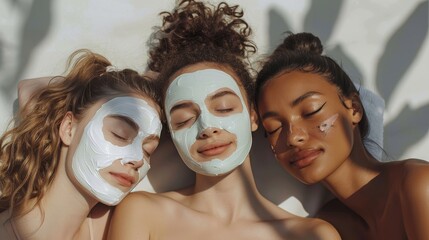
(337, 144)
(193, 151)
(104, 173)
(277, 146)
(332, 128)
(339, 139)
(184, 139)
(71, 151)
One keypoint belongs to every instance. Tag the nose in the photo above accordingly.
(205, 126)
(296, 136)
(135, 164)
(208, 132)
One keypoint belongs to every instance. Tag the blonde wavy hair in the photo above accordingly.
(30, 151)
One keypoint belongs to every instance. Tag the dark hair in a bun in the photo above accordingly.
(195, 32)
(302, 42)
(303, 52)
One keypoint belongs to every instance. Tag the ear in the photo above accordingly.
(253, 119)
(355, 108)
(67, 128)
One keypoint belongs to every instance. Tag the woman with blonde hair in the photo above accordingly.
(86, 139)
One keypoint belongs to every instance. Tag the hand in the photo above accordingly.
(28, 87)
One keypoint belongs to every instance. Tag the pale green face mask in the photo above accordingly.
(196, 87)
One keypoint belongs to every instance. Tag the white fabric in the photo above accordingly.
(374, 108)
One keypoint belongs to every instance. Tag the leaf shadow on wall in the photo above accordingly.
(408, 128)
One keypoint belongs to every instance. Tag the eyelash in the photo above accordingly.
(120, 137)
(179, 124)
(314, 112)
(226, 110)
(273, 131)
(305, 115)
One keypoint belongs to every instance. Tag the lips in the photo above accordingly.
(213, 149)
(304, 158)
(123, 179)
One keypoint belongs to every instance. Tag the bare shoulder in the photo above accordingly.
(414, 185)
(143, 215)
(139, 202)
(322, 229)
(145, 204)
(133, 217)
(313, 228)
(415, 177)
(348, 223)
(414, 196)
(415, 164)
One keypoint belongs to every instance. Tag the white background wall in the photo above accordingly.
(383, 44)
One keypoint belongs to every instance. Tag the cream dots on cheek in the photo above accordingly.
(209, 121)
(109, 159)
(323, 128)
(326, 125)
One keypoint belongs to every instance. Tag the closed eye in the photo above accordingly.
(314, 112)
(120, 137)
(180, 124)
(225, 110)
(273, 131)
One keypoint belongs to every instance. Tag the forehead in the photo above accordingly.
(197, 85)
(295, 83)
(133, 98)
(202, 66)
(149, 101)
(209, 65)
(136, 109)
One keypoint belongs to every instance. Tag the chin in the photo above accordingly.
(308, 180)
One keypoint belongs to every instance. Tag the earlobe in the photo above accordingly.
(253, 120)
(66, 130)
(356, 109)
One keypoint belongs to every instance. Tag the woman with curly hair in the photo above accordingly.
(85, 140)
(201, 53)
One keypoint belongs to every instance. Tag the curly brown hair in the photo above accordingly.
(195, 32)
(30, 151)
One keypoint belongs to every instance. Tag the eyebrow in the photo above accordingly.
(221, 94)
(128, 120)
(301, 98)
(180, 106)
(295, 102)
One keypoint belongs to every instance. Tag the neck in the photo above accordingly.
(63, 208)
(228, 196)
(353, 175)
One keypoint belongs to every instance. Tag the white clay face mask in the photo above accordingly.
(94, 152)
(196, 87)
